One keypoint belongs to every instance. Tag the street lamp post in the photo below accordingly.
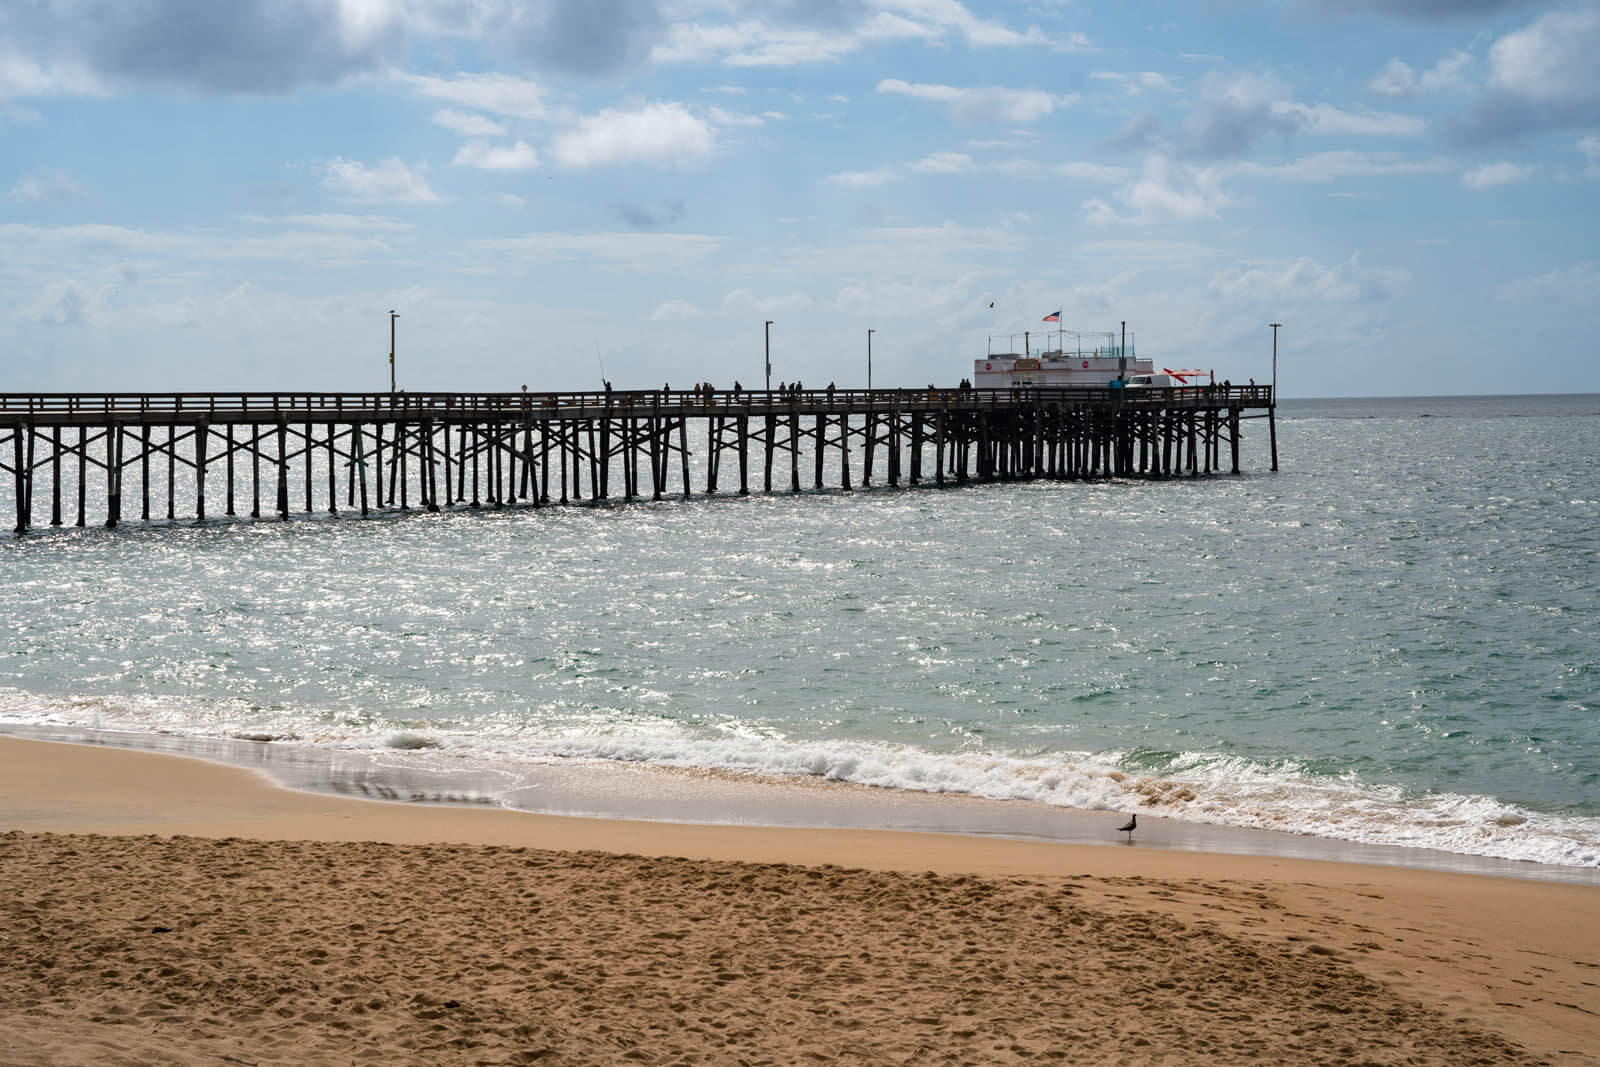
(393, 314)
(768, 351)
(1275, 326)
(869, 359)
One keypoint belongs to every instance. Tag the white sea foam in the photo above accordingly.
(1225, 791)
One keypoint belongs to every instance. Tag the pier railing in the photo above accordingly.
(248, 407)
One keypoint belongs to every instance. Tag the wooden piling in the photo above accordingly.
(22, 474)
(283, 470)
(55, 474)
(358, 462)
(1272, 432)
(83, 467)
(113, 475)
(200, 472)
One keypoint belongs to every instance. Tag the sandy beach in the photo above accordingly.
(168, 910)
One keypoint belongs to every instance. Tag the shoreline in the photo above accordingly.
(1445, 967)
(632, 792)
(1412, 965)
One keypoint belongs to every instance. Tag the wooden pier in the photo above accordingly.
(305, 452)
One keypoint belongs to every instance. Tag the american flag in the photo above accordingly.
(1054, 316)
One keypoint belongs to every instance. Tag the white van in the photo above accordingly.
(1149, 381)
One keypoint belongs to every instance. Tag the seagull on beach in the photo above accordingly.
(1129, 827)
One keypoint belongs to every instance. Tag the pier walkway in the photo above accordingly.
(433, 450)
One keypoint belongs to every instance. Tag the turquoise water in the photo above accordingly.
(1394, 639)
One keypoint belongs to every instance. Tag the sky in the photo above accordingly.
(202, 196)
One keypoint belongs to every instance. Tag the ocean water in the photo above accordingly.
(1393, 640)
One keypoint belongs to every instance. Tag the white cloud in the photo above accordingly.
(1324, 118)
(1020, 141)
(943, 163)
(1396, 79)
(1283, 282)
(745, 302)
(390, 180)
(989, 104)
(1578, 286)
(1165, 190)
(1490, 175)
(1327, 166)
(753, 42)
(907, 300)
(48, 186)
(349, 223)
(1590, 147)
(1136, 83)
(485, 156)
(1094, 172)
(1234, 112)
(1399, 79)
(299, 246)
(730, 118)
(663, 250)
(899, 251)
(1542, 77)
(864, 179)
(980, 33)
(962, 163)
(1448, 73)
(676, 311)
(467, 124)
(66, 303)
(664, 134)
(1018, 165)
(25, 77)
(1552, 60)
(498, 94)
(14, 114)
(320, 241)
(511, 200)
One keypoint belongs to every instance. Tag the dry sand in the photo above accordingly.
(162, 910)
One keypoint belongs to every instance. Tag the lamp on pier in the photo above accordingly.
(1275, 326)
(767, 334)
(393, 314)
(869, 359)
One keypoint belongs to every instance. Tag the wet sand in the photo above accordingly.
(638, 791)
(159, 909)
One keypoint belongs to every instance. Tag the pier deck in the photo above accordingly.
(386, 450)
